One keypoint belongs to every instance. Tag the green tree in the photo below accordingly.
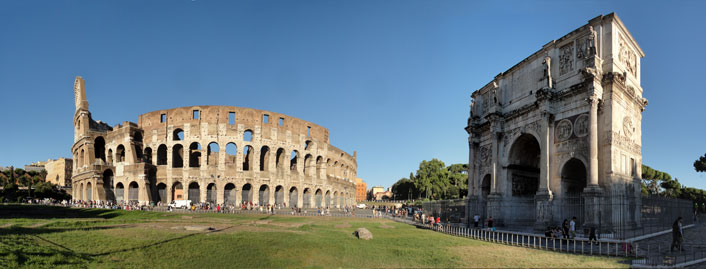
(403, 189)
(700, 164)
(432, 176)
(458, 178)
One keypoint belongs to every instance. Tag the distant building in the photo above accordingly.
(360, 190)
(379, 193)
(36, 167)
(59, 171)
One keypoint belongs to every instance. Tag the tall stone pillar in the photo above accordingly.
(544, 195)
(495, 196)
(593, 192)
(472, 184)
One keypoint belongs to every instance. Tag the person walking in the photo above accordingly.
(677, 235)
(592, 235)
(476, 219)
(491, 223)
(572, 228)
(565, 228)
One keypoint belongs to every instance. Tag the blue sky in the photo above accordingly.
(389, 79)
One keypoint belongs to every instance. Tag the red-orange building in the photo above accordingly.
(360, 189)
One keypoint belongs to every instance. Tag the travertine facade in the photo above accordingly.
(563, 123)
(59, 171)
(217, 154)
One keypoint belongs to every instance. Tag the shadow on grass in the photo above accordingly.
(53, 212)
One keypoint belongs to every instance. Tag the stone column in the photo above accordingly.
(593, 140)
(471, 168)
(544, 196)
(203, 190)
(271, 194)
(220, 191)
(495, 196)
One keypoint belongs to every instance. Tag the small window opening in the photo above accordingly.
(196, 115)
(247, 135)
(231, 118)
(163, 118)
(281, 121)
(308, 131)
(266, 118)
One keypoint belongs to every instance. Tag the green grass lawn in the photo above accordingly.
(37, 236)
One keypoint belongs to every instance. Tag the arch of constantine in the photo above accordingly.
(559, 134)
(215, 154)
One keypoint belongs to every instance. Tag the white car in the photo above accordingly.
(362, 206)
(180, 204)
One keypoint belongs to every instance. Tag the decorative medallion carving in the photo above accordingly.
(627, 57)
(581, 125)
(566, 59)
(628, 127)
(563, 130)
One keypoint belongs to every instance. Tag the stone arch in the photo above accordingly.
(231, 153)
(248, 135)
(137, 146)
(279, 195)
(263, 197)
(574, 177)
(99, 148)
(247, 158)
(308, 161)
(80, 193)
(264, 158)
(120, 153)
(177, 156)
(318, 198)
(212, 153)
(178, 191)
(485, 186)
(195, 154)
(194, 192)
(307, 145)
(334, 203)
(133, 192)
(148, 155)
(211, 193)
(80, 158)
(178, 135)
(161, 193)
(293, 161)
(229, 194)
(523, 166)
(162, 154)
(110, 157)
(334, 170)
(89, 192)
(293, 197)
(327, 198)
(108, 185)
(279, 159)
(246, 193)
(119, 192)
(319, 166)
(306, 198)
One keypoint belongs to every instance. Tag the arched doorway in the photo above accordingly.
(247, 193)
(279, 195)
(119, 192)
(263, 195)
(194, 193)
(89, 192)
(177, 191)
(523, 177)
(573, 177)
(161, 193)
(306, 203)
(108, 185)
(293, 197)
(318, 197)
(133, 192)
(328, 199)
(211, 193)
(229, 194)
(485, 186)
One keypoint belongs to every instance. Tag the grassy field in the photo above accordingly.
(37, 236)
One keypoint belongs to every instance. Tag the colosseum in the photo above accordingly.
(214, 154)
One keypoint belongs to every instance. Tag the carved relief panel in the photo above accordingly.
(627, 57)
(566, 59)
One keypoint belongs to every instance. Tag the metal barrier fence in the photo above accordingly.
(620, 216)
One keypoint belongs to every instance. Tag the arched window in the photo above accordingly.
(247, 160)
(264, 158)
(195, 155)
(231, 152)
(177, 156)
(80, 158)
(279, 159)
(178, 135)
(162, 155)
(307, 164)
(247, 135)
(212, 154)
(293, 161)
(99, 146)
(120, 154)
(148, 155)
(137, 138)
(110, 157)
(319, 166)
